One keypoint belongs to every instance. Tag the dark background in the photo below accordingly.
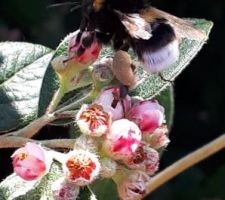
(199, 90)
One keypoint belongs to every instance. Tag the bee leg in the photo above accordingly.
(88, 40)
(119, 98)
(103, 38)
(123, 93)
(83, 24)
(164, 79)
(125, 47)
(119, 43)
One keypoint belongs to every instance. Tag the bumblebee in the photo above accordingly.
(154, 35)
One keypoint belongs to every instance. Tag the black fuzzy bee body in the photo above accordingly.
(153, 34)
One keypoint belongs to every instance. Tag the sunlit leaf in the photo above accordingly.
(22, 66)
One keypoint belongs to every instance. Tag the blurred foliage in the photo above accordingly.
(199, 91)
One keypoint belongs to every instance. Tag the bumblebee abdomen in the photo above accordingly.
(162, 34)
(161, 50)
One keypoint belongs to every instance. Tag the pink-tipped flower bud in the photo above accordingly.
(133, 186)
(110, 100)
(122, 140)
(158, 139)
(145, 159)
(84, 47)
(148, 115)
(81, 167)
(102, 72)
(108, 167)
(93, 120)
(64, 190)
(29, 162)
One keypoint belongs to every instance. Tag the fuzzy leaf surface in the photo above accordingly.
(22, 66)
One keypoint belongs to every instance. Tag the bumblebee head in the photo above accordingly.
(97, 5)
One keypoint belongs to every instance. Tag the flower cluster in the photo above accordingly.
(121, 138)
(117, 135)
(130, 136)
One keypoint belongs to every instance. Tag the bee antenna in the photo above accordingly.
(68, 3)
(75, 8)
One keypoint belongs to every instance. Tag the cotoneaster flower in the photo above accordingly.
(84, 47)
(133, 185)
(93, 120)
(145, 158)
(81, 167)
(29, 162)
(122, 140)
(148, 115)
(64, 190)
(109, 98)
(159, 138)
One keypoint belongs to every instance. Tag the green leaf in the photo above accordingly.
(15, 188)
(166, 99)
(105, 189)
(22, 66)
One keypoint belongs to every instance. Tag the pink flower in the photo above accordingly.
(110, 100)
(148, 115)
(145, 159)
(64, 190)
(81, 167)
(93, 120)
(133, 186)
(122, 140)
(29, 162)
(86, 49)
(158, 139)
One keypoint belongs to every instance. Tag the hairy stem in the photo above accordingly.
(186, 162)
(55, 100)
(31, 129)
(16, 142)
(35, 126)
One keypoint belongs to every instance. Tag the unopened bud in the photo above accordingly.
(133, 185)
(64, 190)
(85, 142)
(122, 140)
(148, 115)
(145, 159)
(158, 139)
(102, 72)
(108, 167)
(59, 65)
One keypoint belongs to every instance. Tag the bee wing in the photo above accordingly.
(136, 26)
(183, 28)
